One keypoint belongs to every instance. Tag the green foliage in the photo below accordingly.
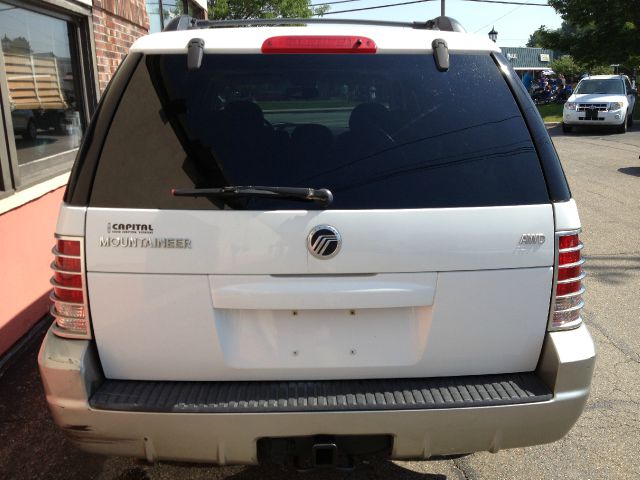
(573, 70)
(551, 112)
(601, 70)
(18, 45)
(245, 9)
(535, 39)
(597, 31)
(568, 67)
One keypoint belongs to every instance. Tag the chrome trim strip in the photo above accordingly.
(574, 294)
(572, 309)
(55, 313)
(567, 326)
(55, 268)
(65, 333)
(571, 265)
(55, 284)
(55, 251)
(580, 246)
(53, 298)
(572, 280)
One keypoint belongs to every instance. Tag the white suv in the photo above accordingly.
(601, 100)
(315, 241)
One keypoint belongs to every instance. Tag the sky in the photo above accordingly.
(514, 23)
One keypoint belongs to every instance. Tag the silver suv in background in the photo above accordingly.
(311, 241)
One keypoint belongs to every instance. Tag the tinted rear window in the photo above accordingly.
(379, 131)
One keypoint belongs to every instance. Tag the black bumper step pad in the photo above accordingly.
(321, 395)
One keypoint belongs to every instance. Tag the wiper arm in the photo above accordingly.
(323, 196)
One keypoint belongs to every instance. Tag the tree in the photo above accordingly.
(572, 70)
(568, 67)
(535, 39)
(18, 45)
(241, 9)
(597, 31)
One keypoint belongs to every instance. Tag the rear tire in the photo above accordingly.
(566, 128)
(32, 130)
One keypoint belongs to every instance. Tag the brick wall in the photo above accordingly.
(116, 25)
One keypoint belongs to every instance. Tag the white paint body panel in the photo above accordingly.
(374, 241)
(258, 292)
(566, 214)
(71, 220)
(411, 293)
(250, 40)
(164, 327)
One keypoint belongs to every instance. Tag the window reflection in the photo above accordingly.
(39, 68)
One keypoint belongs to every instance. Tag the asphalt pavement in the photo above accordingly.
(604, 174)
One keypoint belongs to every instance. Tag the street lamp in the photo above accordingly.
(493, 35)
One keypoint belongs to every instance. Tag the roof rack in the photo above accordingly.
(185, 22)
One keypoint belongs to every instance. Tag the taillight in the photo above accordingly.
(69, 295)
(319, 44)
(568, 302)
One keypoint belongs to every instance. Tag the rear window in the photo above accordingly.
(379, 131)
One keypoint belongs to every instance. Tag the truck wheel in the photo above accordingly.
(622, 128)
(32, 130)
(566, 128)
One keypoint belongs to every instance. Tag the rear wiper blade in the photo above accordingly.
(323, 196)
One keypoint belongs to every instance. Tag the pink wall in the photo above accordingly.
(26, 238)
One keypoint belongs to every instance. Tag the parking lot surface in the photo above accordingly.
(604, 174)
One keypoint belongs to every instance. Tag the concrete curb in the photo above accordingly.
(552, 124)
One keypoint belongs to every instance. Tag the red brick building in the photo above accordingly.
(116, 25)
(56, 58)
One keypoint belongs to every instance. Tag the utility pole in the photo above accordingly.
(442, 8)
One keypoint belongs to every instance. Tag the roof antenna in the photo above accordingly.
(195, 52)
(441, 54)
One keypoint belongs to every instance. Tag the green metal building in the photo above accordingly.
(527, 59)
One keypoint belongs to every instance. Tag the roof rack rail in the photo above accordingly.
(185, 22)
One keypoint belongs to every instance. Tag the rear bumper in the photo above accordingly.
(71, 374)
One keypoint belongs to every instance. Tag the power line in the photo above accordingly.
(499, 18)
(333, 3)
(389, 5)
(374, 8)
(506, 2)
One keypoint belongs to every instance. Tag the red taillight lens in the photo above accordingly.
(68, 247)
(319, 44)
(68, 264)
(568, 295)
(65, 295)
(568, 241)
(68, 279)
(569, 257)
(569, 272)
(69, 304)
(567, 288)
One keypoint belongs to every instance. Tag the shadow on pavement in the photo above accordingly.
(635, 171)
(556, 131)
(612, 269)
(32, 447)
(373, 470)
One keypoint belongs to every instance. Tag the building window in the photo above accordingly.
(42, 92)
(161, 12)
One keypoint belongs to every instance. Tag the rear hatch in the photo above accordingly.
(430, 261)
